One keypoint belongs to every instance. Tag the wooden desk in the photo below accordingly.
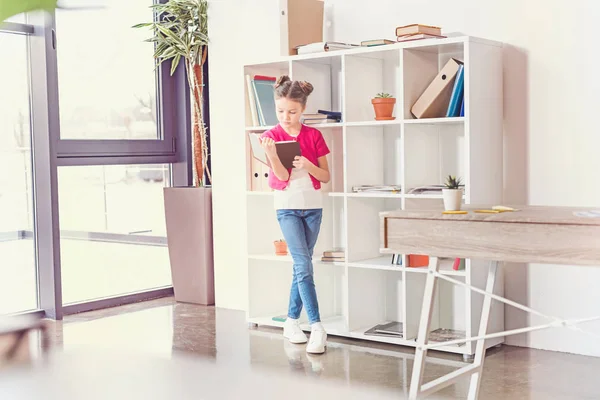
(551, 235)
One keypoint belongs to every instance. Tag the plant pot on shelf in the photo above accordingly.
(452, 199)
(280, 247)
(384, 108)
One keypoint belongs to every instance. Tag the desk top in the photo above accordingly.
(526, 214)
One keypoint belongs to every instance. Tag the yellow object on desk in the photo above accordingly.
(488, 211)
(455, 212)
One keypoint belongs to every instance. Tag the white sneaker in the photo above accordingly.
(318, 341)
(292, 331)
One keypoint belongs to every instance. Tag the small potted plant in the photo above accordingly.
(280, 247)
(452, 194)
(383, 103)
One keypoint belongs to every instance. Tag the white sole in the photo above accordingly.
(317, 352)
(296, 341)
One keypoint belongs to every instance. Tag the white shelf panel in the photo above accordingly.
(426, 196)
(288, 259)
(333, 325)
(376, 195)
(318, 126)
(327, 125)
(445, 269)
(374, 123)
(268, 194)
(379, 263)
(435, 121)
(385, 263)
(258, 193)
(258, 128)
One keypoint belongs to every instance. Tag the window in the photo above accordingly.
(113, 234)
(18, 273)
(107, 78)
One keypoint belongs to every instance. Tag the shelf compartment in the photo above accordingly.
(271, 277)
(373, 156)
(420, 66)
(325, 74)
(380, 298)
(449, 309)
(363, 226)
(367, 74)
(431, 153)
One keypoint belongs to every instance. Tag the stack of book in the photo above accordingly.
(418, 32)
(334, 255)
(321, 117)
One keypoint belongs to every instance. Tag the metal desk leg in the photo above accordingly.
(483, 326)
(426, 310)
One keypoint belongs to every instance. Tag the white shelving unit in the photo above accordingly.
(367, 289)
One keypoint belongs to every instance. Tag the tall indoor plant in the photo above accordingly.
(180, 33)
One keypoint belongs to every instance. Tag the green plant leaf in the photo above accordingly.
(175, 63)
(10, 8)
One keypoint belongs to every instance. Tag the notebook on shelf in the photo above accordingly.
(286, 150)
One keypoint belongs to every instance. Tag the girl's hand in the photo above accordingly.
(269, 145)
(301, 162)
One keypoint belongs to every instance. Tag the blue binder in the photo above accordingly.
(457, 93)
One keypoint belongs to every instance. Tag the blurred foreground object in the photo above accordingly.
(16, 338)
(10, 8)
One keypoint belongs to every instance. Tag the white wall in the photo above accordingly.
(552, 140)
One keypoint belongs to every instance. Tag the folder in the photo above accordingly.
(286, 150)
(457, 94)
(433, 103)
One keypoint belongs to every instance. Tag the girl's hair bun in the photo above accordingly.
(281, 80)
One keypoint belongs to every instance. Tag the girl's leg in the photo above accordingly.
(303, 293)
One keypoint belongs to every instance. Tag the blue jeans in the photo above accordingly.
(300, 230)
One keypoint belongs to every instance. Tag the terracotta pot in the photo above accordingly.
(280, 248)
(384, 108)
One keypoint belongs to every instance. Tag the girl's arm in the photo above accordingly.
(278, 169)
(320, 172)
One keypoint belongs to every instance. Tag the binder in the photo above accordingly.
(457, 94)
(434, 101)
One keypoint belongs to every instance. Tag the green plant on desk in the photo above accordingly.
(452, 182)
(383, 96)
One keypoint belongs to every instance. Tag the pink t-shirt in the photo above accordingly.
(312, 146)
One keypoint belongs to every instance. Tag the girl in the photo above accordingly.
(298, 204)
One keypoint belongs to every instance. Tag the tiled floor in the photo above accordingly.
(258, 363)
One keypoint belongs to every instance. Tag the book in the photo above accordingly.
(389, 329)
(418, 28)
(437, 189)
(418, 36)
(264, 87)
(324, 46)
(333, 259)
(334, 253)
(286, 150)
(376, 42)
(377, 188)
